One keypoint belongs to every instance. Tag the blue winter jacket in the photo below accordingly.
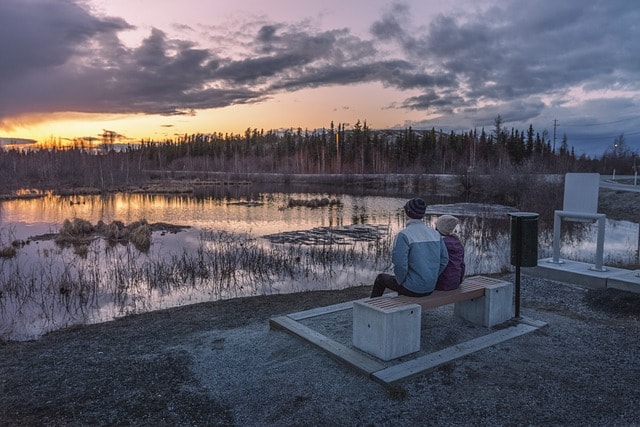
(419, 256)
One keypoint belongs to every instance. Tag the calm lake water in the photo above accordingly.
(237, 245)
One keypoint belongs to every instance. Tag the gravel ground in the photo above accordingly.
(220, 364)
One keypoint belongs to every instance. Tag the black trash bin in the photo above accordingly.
(524, 238)
(524, 246)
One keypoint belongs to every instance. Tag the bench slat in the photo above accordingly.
(470, 288)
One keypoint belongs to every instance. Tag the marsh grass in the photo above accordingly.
(8, 244)
(8, 252)
(65, 286)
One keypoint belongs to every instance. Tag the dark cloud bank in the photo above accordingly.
(517, 59)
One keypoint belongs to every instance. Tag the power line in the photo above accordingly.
(602, 124)
(606, 136)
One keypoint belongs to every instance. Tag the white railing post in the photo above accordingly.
(600, 245)
(556, 238)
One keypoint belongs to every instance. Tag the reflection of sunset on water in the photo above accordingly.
(263, 213)
(269, 215)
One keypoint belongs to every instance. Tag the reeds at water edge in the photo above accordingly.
(64, 286)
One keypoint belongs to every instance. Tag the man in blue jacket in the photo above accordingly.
(419, 256)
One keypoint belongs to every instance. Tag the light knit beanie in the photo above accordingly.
(445, 224)
(415, 208)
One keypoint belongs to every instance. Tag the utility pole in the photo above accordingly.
(555, 124)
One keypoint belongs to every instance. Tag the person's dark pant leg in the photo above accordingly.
(382, 282)
(388, 281)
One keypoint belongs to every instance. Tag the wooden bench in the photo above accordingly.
(389, 326)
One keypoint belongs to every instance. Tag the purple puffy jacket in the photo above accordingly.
(453, 274)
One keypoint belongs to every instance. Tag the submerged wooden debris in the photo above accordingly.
(345, 235)
(313, 203)
(248, 203)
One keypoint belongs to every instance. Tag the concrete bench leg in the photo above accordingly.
(495, 307)
(386, 333)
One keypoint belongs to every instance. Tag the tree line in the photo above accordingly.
(336, 150)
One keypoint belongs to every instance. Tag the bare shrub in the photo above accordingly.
(537, 193)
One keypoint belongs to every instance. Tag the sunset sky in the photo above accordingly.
(160, 68)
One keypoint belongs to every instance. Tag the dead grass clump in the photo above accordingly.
(78, 233)
(74, 232)
(116, 231)
(81, 250)
(76, 227)
(82, 226)
(140, 235)
(8, 252)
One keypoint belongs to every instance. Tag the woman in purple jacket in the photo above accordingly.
(453, 273)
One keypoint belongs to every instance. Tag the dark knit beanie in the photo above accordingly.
(415, 208)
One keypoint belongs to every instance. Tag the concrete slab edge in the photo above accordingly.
(581, 274)
(415, 367)
(388, 376)
(350, 357)
(320, 311)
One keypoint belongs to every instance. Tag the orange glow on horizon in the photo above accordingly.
(307, 109)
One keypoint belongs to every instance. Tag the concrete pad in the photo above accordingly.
(412, 368)
(389, 374)
(574, 272)
(341, 353)
(625, 281)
